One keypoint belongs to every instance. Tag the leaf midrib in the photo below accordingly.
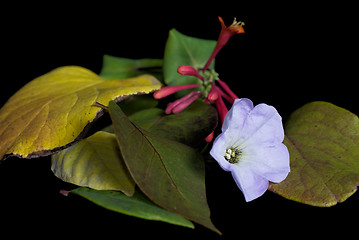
(159, 157)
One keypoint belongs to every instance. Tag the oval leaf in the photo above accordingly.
(137, 205)
(170, 173)
(55, 109)
(323, 142)
(185, 50)
(94, 162)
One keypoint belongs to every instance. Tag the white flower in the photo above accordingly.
(250, 146)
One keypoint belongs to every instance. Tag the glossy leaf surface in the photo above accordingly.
(138, 205)
(55, 110)
(323, 142)
(169, 173)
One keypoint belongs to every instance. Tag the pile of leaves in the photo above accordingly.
(149, 164)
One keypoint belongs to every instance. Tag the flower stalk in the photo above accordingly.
(221, 108)
(227, 89)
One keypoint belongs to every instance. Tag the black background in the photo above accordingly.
(290, 55)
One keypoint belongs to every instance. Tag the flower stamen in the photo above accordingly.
(224, 35)
(233, 155)
(236, 27)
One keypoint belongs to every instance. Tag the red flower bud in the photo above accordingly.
(227, 89)
(221, 108)
(190, 71)
(209, 138)
(168, 90)
(213, 94)
(180, 104)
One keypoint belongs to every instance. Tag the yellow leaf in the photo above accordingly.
(52, 111)
(94, 162)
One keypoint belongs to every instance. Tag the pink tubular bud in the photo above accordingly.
(209, 138)
(183, 105)
(225, 96)
(180, 104)
(189, 71)
(168, 90)
(213, 94)
(227, 89)
(221, 108)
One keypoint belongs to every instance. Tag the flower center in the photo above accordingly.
(232, 155)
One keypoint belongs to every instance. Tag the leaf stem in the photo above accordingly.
(101, 106)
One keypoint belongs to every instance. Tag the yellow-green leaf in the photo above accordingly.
(55, 109)
(323, 142)
(94, 162)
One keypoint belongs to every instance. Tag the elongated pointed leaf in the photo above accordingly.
(137, 205)
(323, 142)
(169, 173)
(55, 110)
(94, 162)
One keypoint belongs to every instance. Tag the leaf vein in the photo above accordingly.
(308, 164)
(159, 157)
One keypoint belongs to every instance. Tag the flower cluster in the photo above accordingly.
(251, 143)
(208, 78)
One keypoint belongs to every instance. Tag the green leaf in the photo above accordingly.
(148, 118)
(120, 68)
(171, 174)
(184, 50)
(133, 104)
(138, 205)
(190, 126)
(94, 162)
(144, 119)
(138, 103)
(323, 142)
